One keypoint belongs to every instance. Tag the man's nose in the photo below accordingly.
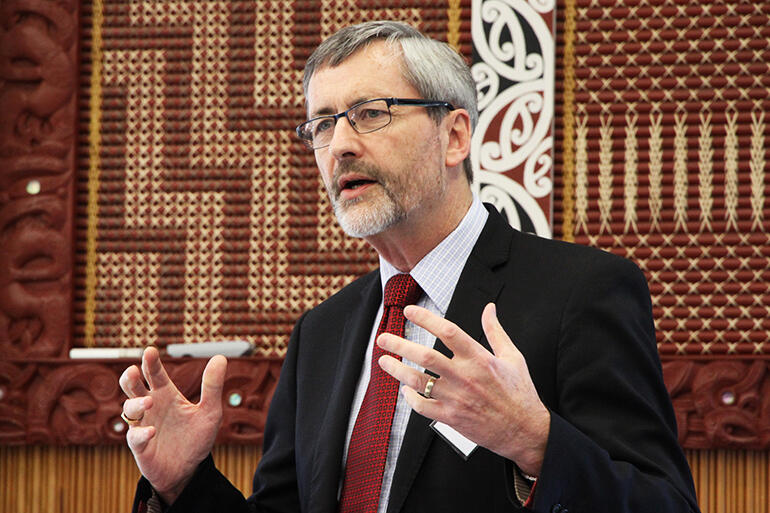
(345, 140)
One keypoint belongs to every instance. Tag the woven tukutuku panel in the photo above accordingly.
(208, 220)
(670, 162)
(212, 223)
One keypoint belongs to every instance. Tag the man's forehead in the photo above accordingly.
(381, 66)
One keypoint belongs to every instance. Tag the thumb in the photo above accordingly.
(498, 339)
(213, 382)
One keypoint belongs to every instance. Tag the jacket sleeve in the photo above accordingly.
(612, 444)
(207, 491)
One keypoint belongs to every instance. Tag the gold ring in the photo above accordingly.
(130, 421)
(429, 387)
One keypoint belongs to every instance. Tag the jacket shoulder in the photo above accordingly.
(569, 256)
(501, 244)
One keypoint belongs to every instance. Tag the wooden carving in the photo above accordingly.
(723, 403)
(62, 403)
(38, 50)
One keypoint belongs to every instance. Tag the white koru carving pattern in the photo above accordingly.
(523, 137)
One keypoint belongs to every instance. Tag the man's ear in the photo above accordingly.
(459, 145)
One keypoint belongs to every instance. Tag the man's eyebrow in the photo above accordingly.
(327, 111)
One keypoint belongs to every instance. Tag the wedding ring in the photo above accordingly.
(429, 387)
(129, 421)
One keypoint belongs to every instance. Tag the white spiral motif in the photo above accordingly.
(515, 85)
(543, 6)
(537, 170)
(509, 58)
(505, 195)
(487, 83)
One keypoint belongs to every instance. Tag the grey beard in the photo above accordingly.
(368, 221)
(363, 222)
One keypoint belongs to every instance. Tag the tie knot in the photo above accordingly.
(401, 290)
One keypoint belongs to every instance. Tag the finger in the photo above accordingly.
(459, 342)
(153, 370)
(501, 344)
(138, 437)
(425, 357)
(404, 374)
(136, 408)
(213, 382)
(132, 383)
(425, 407)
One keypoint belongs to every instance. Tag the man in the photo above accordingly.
(573, 416)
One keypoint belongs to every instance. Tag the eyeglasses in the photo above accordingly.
(364, 117)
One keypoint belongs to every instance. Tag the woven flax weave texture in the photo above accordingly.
(210, 220)
(670, 162)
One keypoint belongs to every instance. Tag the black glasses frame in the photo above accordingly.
(305, 136)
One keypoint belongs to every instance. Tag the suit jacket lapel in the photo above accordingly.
(327, 464)
(476, 287)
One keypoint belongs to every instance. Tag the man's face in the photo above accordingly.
(376, 180)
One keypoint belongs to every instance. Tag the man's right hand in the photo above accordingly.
(173, 435)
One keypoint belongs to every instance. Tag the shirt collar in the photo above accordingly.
(438, 271)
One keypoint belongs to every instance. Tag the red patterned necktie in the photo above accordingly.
(368, 447)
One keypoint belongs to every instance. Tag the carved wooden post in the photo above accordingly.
(38, 92)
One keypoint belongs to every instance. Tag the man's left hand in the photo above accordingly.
(487, 397)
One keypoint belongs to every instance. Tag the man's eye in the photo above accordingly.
(322, 126)
(371, 113)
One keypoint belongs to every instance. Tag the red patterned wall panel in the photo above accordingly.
(211, 222)
(669, 169)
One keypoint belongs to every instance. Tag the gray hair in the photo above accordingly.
(434, 68)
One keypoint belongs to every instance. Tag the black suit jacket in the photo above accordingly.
(581, 317)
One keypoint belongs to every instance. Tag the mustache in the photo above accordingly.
(370, 171)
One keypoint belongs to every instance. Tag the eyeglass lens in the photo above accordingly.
(364, 117)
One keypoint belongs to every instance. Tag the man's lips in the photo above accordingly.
(351, 183)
